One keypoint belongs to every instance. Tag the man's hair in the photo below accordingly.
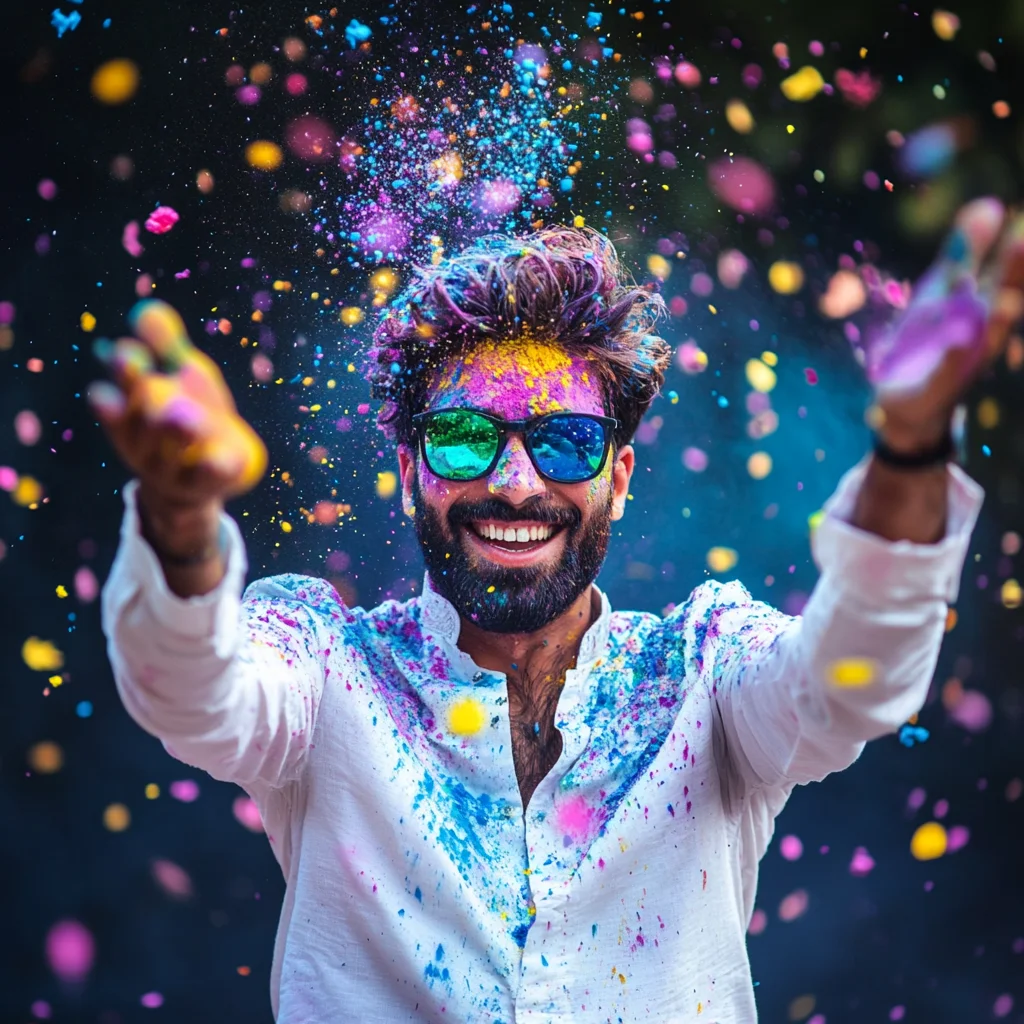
(559, 283)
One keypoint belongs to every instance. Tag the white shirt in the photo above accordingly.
(417, 890)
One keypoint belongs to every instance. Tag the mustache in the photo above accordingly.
(463, 513)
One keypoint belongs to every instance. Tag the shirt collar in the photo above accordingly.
(441, 620)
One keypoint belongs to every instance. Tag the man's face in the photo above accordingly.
(503, 585)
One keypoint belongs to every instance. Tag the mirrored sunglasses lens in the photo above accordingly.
(459, 445)
(569, 448)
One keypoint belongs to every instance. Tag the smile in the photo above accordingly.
(513, 544)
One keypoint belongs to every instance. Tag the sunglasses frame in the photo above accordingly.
(506, 427)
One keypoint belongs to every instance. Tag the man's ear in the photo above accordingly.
(622, 472)
(407, 474)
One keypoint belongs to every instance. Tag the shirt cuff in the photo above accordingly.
(895, 571)
(205, 615)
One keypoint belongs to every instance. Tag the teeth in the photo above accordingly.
(520, 534)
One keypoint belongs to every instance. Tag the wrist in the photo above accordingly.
(181, 534)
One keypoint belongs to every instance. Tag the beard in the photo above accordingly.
(503, 599)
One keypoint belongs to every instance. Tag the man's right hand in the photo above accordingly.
(172, 420)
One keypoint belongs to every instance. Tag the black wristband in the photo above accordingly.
(928, 458)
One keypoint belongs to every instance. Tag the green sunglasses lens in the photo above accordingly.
(460, 444)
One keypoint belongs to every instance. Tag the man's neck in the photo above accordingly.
(533, 655)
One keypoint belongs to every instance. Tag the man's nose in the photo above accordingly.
(515, 478)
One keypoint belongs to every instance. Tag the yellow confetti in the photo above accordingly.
(46, 758)
(945, 24)
(115, 82)
(41, 655)
(466, 717)
(801, 1008)
(760, 376)
(659, 266)
(785, 277)
(852, 673)
(62, 590)
(387, 484)
(722, 559)
(286, 526)
(578, 221)
(740, 119)
(264, 155)
(803, 85)
(55, 681)
(152, 791)
(117, 817)
(759, 465)
(87, 321)
(988, 413)
(1010, 594)
(928, 842)
(351, 315)
(27, 492)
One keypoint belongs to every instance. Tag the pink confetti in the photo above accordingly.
(161, 220)
(858, 87)
(7, 313)
(973, 711)
(687, 75)
(247, 813)
(310, 138)
(732, 266)
(70, 950)
(262, 368)
(41, 1010)
(702, 285)
(862, 863)
(957, 838)
(87, 587)
(174, 880)
(695, 460)
(794, 905)
(689, 358)
(47, 189)
(296, 84)
(183, 275)
(8, 478)
(791, 848)
(27, 427)
(758, 922)
(897, 1013)
(185, 790)
(152, 1000)
(1003, 1005)
(743, 184)
(130, 239)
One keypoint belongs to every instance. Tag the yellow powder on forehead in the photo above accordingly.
(539, 361)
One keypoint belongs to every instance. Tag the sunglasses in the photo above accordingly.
(465, 444)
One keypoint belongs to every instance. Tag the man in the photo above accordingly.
(502, 801)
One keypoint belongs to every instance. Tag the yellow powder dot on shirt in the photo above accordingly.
(852, 673)
(466, 717)
(928, 842)
(721, 559)
(46, 758)
(117, 817)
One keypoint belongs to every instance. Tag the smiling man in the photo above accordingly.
(501, 800)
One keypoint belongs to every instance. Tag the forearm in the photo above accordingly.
(187, 541)
(903, 504)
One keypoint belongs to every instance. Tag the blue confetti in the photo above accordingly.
(357, 33)
(84, 709)
(63, 22)
(909, 734)
(593, 19)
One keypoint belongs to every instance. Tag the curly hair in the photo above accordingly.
(559, 280)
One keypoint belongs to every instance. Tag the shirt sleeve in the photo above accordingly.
(798, 697)
(228, 683)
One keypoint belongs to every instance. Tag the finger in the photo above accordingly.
(202, 378)
(1006, 287)
(160, 327)
(977, 228)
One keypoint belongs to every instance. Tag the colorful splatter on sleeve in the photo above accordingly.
(228, 685)
(799, 697)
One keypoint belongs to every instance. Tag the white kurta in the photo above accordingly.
(417, 889)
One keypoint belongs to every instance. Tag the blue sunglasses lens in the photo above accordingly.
(459, 444)
(569, 448)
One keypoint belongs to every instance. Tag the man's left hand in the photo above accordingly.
(961, 314)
